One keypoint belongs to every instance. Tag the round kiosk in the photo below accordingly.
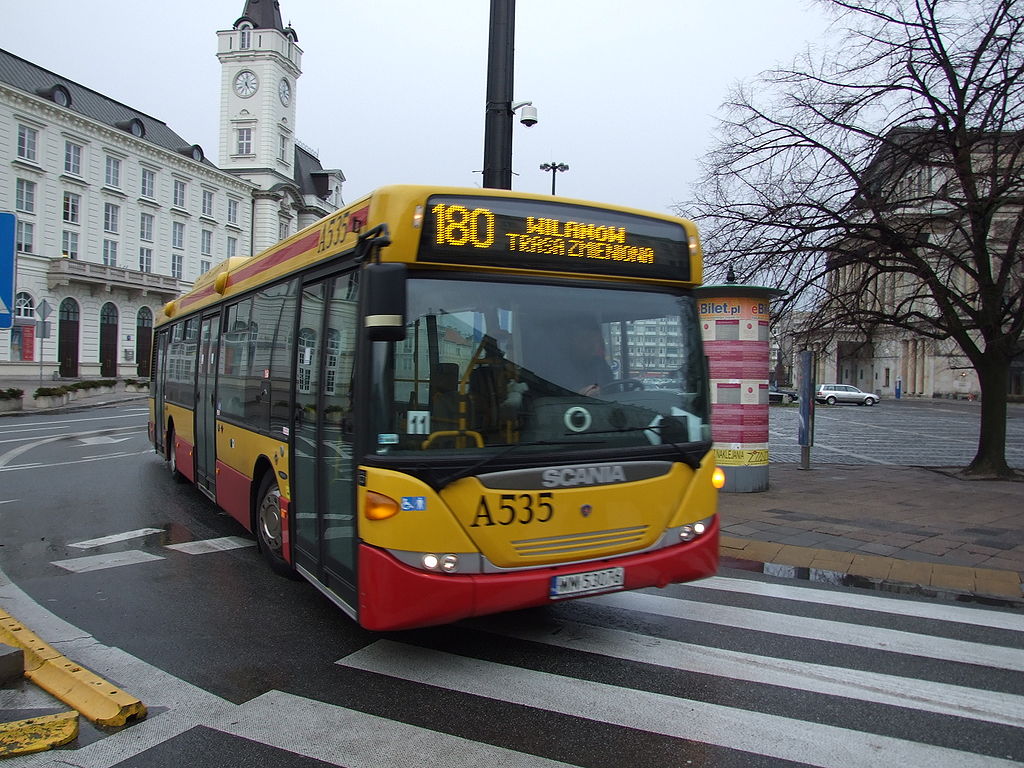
(734, 325)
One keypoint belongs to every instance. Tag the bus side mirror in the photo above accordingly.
(384, 299)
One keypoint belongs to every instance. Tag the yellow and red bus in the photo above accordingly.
(439, 403)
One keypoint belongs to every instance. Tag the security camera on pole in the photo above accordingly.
(500, 109)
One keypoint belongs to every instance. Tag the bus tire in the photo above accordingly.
(172, 458)
(268, 526)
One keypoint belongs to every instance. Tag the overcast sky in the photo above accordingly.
(394, 90)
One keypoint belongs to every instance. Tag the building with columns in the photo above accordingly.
(117, 213)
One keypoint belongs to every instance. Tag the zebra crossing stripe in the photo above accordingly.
(99, 562)
(877, 688)
(758, 733)
(114, 538)
(890, 640)
(940, 611)
(205, 546)
(360, 740)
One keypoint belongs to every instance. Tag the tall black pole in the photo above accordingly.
(498, 120)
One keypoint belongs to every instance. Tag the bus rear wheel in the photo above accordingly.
(269, 526)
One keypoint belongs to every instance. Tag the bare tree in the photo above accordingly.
(881, 184)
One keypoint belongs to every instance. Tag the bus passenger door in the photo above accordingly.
(323, 492)
(156, 388)
(206, 409)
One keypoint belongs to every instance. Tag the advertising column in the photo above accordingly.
(734, 324)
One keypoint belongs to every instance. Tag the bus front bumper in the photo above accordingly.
(395, 596)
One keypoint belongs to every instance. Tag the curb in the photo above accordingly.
(89, 694)
(978, 582)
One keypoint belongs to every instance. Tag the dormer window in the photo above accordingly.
(245, 37)
(134, 126)
(58, 94)
(61, 96)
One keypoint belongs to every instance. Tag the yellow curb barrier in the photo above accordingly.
(89, 694)
(23, 737)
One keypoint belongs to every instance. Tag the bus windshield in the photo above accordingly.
(490, 365)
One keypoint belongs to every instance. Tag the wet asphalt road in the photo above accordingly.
(222, 622)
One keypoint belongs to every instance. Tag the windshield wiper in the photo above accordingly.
(507, 449)
(687, 456)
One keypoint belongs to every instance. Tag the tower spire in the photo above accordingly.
(262, 14)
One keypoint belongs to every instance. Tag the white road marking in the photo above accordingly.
(84, 460)
(206, 546)
(359, 740)
(102, 440)
(14, 453)
(100, 562)
(940, 611)
(758, 733)
(90, 543)
(924, 695)
(890, 640)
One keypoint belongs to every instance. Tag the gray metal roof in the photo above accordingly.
(265, 14)
(310, 176)
(26, 76)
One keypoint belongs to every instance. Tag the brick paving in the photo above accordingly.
(907, 525)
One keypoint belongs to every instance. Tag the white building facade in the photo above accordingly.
(117, 214)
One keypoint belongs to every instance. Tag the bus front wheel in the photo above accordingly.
(269, 525)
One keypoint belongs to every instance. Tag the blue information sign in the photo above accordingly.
(7, 224)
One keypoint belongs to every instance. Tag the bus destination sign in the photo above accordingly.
(532, 234)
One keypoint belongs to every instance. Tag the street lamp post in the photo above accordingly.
(554, 168)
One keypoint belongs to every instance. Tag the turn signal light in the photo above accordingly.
(379, 506)
(718, 477)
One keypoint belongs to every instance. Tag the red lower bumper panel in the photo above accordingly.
(394, 596)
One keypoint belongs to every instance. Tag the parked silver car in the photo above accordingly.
(844, 393)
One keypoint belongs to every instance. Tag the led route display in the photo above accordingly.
(536, 234)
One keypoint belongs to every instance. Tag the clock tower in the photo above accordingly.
(260, 66)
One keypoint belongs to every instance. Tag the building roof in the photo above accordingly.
(265, 14)
(26, 76)
(310, 176)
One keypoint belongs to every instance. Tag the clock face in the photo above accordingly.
(246, 84)
(284, 91)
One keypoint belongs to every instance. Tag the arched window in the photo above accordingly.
(68, 310)
(245, 37)
(108, 314)
(144, 318)
(24, 305)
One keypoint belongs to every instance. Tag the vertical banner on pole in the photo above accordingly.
(7, 228)
(805, 436)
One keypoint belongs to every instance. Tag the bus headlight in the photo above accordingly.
(446, 563)
(695, 530)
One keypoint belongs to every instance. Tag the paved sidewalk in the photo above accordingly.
(890, 525)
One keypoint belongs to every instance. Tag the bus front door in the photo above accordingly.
(323, 492)
(206, 409)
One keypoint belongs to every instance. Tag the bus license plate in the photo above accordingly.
(583, 583)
